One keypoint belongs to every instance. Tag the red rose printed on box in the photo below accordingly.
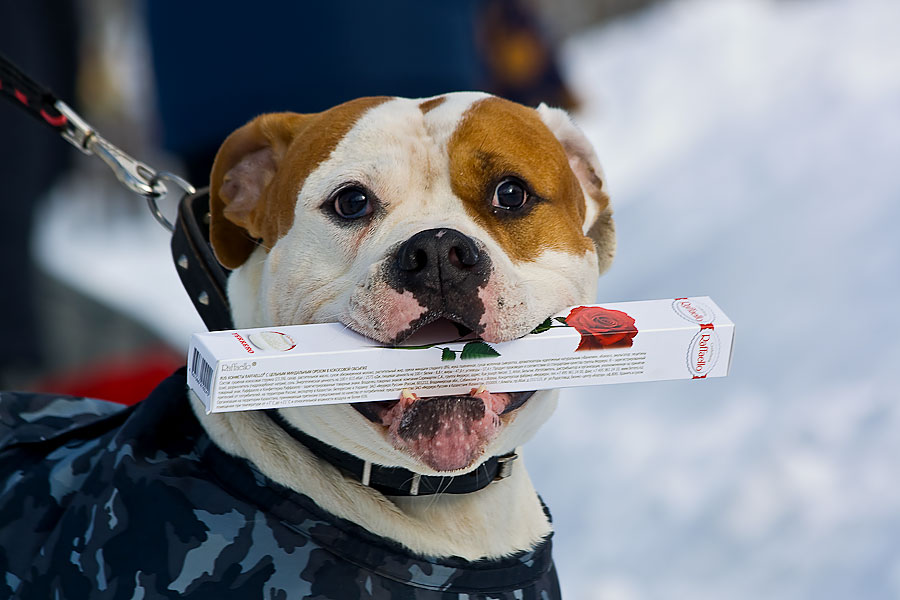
(602, 328)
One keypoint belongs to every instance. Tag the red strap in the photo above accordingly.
(57, 121)
(30, 95)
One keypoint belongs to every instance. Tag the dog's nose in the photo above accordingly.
(445, 254)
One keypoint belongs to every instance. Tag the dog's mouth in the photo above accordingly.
(447, 433)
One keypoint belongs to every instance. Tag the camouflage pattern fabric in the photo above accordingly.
(103, 501)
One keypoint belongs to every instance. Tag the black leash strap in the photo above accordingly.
(205, 280)
(35, 99)
(201, 274)
(41, 104)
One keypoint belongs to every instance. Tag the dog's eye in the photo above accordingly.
(352, 203)
(510, 195)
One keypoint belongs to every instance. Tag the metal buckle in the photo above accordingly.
(505, 465)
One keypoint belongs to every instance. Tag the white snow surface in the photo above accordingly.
(752, 151)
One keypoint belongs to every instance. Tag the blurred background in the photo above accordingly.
(751, 148)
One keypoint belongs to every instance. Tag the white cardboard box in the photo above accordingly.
(276, 367)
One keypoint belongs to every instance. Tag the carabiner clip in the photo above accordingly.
(135, 175)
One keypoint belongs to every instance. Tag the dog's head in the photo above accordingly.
(389, 214)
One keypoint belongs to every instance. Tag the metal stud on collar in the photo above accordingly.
(367, 473)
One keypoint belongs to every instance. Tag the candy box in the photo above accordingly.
(623, 342)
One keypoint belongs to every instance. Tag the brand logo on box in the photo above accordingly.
(693, 311)
(241, 366)
(703, 352)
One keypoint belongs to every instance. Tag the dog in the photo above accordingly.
(388, 215)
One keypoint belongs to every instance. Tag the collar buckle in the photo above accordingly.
(505, 465)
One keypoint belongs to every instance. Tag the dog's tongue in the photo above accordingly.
(446, 432)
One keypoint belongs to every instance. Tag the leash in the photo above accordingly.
(40, 103)
(202, 276)
(205, 280)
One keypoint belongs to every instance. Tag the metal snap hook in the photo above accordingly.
(137, 176)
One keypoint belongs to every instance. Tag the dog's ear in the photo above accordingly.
(598, 222)
(240, 210)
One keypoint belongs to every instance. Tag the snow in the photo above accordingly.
(751, 147)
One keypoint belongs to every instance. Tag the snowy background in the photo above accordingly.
(753, 153)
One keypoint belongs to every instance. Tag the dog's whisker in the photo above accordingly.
(440, 492)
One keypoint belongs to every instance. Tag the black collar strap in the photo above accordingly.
(204, 279)
(395, 481)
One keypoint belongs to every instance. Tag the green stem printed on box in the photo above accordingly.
(477, 348)
(548, 325)
(473, 349)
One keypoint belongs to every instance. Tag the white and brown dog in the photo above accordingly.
(387, 214)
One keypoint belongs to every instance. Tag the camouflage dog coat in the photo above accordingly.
(102, 501)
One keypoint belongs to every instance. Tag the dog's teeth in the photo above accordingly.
(479, 390)
(406, 394)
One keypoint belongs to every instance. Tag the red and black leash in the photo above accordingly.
(203, 277)
(40, 103)
(34, 98)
